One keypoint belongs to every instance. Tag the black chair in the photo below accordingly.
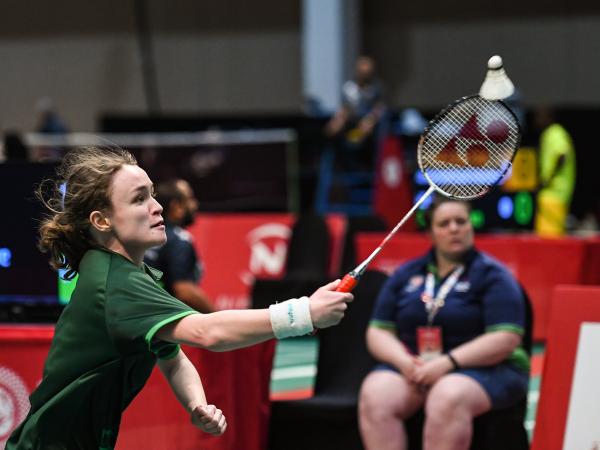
(496, 430)
(309, 248)
(328, 420)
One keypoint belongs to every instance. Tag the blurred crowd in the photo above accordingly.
(355, 133)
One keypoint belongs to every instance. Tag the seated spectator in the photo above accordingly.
(178, 261)
(446, 330)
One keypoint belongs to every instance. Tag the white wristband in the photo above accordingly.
(291, 318)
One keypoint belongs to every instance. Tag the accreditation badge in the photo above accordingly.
(429, 342)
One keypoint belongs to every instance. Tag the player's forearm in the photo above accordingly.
(487, 349)
(221, 330)
(231, 329)
(184, 381)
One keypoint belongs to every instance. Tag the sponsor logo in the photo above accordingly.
(414, 283)
(268, 252)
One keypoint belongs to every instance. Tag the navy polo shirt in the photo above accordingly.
(486, 298)
(177, 259)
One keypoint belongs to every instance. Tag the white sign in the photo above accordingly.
(583, 419)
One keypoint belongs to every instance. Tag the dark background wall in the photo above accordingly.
(431, 52)
(237, 57)
(225, 56)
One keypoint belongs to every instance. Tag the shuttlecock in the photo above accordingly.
(497, 85)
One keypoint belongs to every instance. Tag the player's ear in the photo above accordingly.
(100, 222)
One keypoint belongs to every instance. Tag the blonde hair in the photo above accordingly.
(82, 186)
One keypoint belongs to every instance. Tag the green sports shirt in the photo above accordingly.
(103, 351)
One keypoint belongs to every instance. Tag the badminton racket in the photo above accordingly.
(464, 151)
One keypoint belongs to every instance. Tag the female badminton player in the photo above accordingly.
(120, 322)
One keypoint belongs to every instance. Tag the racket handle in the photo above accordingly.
(347, 284)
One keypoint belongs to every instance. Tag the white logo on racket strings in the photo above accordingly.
(469, 147)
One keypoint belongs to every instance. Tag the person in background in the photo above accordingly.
(354, 125)
(48, 122)
(120, 323)
(557, 175)
(446, 330)
(177, 259)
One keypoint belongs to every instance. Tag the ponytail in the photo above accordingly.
(83, 186)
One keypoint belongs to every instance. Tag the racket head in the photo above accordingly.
(468, 147)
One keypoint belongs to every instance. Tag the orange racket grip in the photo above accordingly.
(348, 283)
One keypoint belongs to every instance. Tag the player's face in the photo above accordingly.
(135, 219)
(451, 230)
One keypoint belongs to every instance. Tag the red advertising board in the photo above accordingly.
(571, 306)
(236, 249)
(24, 350)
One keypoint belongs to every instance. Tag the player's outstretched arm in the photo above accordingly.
(231, 329)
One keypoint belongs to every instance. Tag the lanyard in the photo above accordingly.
(434, 303)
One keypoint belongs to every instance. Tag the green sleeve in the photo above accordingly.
(136, 308)
(383, 324)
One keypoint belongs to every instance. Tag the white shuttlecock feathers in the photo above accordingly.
(497, 85)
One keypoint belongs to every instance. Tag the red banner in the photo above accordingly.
(236, 249)
(571, 306)
(24, 350)
(393, 191)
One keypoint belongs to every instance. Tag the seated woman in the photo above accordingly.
(446, 330)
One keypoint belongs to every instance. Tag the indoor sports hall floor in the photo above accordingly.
(294, 371)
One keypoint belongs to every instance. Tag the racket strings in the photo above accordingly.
(469, 147)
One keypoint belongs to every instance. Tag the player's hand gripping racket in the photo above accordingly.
(464, 151)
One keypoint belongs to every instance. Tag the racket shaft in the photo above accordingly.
(408, 214)
(350, 280)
